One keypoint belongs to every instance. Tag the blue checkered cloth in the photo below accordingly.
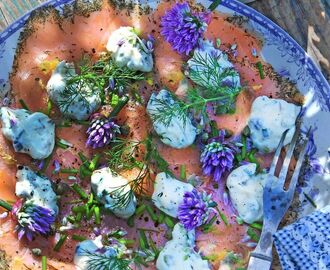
(305, 244)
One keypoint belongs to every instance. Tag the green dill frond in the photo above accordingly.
(165, 111)
(93, 79)
(142, 155)
(97, 261)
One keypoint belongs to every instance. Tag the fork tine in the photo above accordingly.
(288, 156)
(295, 176)
(277, 153)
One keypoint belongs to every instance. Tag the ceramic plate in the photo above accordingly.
(279, 49)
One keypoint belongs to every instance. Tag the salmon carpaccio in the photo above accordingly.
(49, 37)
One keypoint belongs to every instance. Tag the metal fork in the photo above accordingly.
(276, 200)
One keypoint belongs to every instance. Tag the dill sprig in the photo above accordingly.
(194, 104)
(141, 155)
(97, 261)
(93, 78)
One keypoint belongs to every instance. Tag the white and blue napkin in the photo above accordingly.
(305, 244)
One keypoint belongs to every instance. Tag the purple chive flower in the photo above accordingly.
(57, 166)
(41, 164)
(182, 28)
(150, 43)
(218, 157)
(195, 209)
(101, 132)
(32, 219)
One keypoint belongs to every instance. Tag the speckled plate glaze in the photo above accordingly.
(279, 49)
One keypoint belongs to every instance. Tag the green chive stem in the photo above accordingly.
(71, 219)
(49, 107)
(308, 198)
(83, 159)
(97, 215)
(6, 205)
(79, 191)
(60, 242)
(69, 171)
(140, 209)
(222, 216)
(44, 263)
(183, 172)
(78, 238)
(206, 227)
(253, 235)
(23, 104)
(161, 217)
(91, 212)
(78, 209)
(61, 145)
(143, 241)
(79, 216)
(214, 129)
(261, 71)
(121, 104)
(84, 172)
(169, 222)
(151, 213)
(256, 225)
(46, 164)
(130, 221)
(94, 162)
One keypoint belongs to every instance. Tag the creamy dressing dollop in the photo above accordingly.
(207, 55)
(129, 50)
(246, 192)
(108, 187)
(31, 133)
(269, 119)
(74, 107)
(179, 132)
(85, 250)
(179, 253)
(168, 193)
(35, 188)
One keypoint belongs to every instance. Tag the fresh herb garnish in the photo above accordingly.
(101, 262)
(23, 104)
(60, 242)
(143, 156)
(94, 78)
(310, 200)
(261, 70)
(44, 263)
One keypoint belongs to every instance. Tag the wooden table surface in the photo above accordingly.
(307, 21)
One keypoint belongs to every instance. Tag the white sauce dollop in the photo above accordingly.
(179, 253)
(31, 133)
(91, 247)
(207, 54)
(179, 133)
(269, 119)
(246, 192)
(168, 193)
(78, 108)
(35, 188)
(105, 182)
(129, 50)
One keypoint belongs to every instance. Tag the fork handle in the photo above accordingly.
(259, 262)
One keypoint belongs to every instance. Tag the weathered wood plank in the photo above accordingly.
(307, 21)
